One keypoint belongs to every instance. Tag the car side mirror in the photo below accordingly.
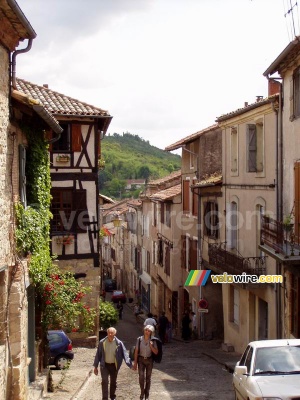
(240, 370)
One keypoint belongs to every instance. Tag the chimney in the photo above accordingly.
(259, 98)
(246, 104)
(45, 85)
(273, 87)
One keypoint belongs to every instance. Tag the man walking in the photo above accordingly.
(110, 354)
(162, 327)
(143, 360)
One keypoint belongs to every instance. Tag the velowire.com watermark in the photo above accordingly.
(200, 277)
(246, 278)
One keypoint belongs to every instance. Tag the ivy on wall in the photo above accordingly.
(59, 295)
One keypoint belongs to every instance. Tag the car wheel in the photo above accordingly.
(62, 362)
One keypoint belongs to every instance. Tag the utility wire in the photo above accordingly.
(290, 12)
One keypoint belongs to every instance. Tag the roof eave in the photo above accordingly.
(275, 64)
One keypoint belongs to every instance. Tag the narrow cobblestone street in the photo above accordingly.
(194, 371)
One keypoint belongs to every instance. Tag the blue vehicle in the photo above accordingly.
(61, 348)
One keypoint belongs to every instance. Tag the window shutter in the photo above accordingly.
(183, 252)
(22, 176)
(81, 218)
(186, 197)
(162, 213)
(206, 211)
(291, 98)
(193, 254)
(76, 137)
(195, 200)
(167, 260)
(251, 135)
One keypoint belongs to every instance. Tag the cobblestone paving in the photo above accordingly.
(188, 371)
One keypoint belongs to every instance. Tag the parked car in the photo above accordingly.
(268, 369)
(110, 285)
(60, 349)
(117, 296)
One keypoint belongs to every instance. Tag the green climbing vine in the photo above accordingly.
(59, 295)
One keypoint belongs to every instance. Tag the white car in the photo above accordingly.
(269, 370)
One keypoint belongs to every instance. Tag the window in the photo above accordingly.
(168, 214)
(167, 260)
(193, 249)
(232, 225)
(255, 154)
(211, 219)
(69, 209)
(295, 305)
(162, 213)
(195, 200)
(295, 94)
(186, 195)
(234, 304)
(145, 226)
(297, 200)
(154, 208)
(234, 151)
(64, 142)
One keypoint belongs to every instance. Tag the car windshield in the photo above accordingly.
(272, 360)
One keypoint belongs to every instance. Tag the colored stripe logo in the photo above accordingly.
(197, 277)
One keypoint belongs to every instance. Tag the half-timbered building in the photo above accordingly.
(74, 155)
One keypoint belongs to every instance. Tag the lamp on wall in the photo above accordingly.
(117, 221)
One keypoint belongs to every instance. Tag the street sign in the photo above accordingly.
(204, 310)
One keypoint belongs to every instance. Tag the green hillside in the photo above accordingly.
(131, 157)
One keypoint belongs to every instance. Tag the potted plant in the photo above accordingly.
(288, 223)
(108, 316)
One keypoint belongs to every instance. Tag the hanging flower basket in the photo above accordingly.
(101, 163)
(104, 232)
(69, 239)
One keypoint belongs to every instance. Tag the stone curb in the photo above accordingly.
(87, 377)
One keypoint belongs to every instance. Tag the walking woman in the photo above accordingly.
(143, 360)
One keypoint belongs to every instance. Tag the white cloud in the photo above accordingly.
(163, 68)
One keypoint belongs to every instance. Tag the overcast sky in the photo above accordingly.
(164, 69)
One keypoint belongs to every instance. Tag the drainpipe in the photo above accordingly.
(280, 202)
(13, 61)
(279, 195)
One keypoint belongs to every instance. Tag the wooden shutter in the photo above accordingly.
(195, 200)
(186, 195)
(76, 137)
(251, 136)
(167, 261)
(193, 254)
(162, 213)
(297, 198)
(291, 99)
(183, 252)
(80, 206)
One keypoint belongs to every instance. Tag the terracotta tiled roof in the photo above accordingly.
(58, 104)
(166, 179)
(190, 138)
(134, 203)
(248, 107)
(213, 179)
(167, 193)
